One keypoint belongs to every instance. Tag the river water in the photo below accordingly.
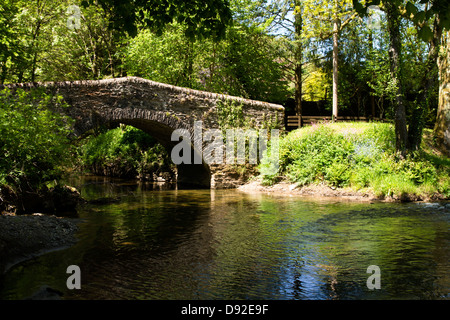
(156, 242)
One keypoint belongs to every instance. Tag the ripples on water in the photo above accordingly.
(224, 244)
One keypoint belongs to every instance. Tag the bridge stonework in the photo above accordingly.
(157, 109)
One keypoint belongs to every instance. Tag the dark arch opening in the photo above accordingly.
(188, 175)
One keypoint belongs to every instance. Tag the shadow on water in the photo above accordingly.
(161, 242)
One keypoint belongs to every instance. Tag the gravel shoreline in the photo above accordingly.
(326, 192)
(23, 237)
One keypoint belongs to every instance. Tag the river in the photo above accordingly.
(157, 242)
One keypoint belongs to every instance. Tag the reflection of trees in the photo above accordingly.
(219, 244)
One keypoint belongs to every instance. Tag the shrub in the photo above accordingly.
(124, 152)
(310, 156)
(361, 156)
(34, 138)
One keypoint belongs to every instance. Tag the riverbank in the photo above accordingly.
(286, 188)
(358, 160)
(23, 237)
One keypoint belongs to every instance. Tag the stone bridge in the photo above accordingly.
(157, 109)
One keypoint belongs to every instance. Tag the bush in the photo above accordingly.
(360, 156)
(311, 156)
(34, 138)
(125, 152)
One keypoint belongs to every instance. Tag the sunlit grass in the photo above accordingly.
(361, 156)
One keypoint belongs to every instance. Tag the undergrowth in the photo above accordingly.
(360, 156)
(125, 152)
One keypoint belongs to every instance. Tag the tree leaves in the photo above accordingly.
(425, 33)
(33, 139)
(203, 18)
(421, 16)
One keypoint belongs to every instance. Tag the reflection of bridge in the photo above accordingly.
(155, 108)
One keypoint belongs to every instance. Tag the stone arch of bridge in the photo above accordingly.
(159, 125)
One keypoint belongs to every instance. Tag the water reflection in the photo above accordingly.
(219, 244)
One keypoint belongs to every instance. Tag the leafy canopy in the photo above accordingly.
(203, 18)
(419, 12)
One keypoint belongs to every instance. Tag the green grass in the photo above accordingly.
(361, 156)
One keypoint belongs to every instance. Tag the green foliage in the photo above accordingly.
(245, 63)
(39, 46)
(230, 115)
(360, 156)
(202, 18)
(34, 138)
(312, 158)
(168, 58)
(417, 12)
(125, 152)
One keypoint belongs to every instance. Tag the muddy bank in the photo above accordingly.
(324, 191)
(23, 237)
(61, 200)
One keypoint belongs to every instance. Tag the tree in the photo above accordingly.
(9, 49)
(244, 63)
(442, 127)
(167, 58)
(298, 56)
(327, 19)
(304, 23)
(202, 18)
(394, 20)
(90, 51)
(38, 19)
(422, 13)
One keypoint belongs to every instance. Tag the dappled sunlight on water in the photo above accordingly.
(161, 243)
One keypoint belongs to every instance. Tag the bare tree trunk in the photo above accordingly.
(372, 97)
(298, 64)
(442, 127)
(34, 46)
(335, 67)
(393, 21)
(4, 70)
(430, 78)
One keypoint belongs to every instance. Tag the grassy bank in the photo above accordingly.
(362, 157)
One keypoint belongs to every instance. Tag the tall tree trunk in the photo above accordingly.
(442, 127)
(35, 49)
(298, 60)
(4, 70)
(336, 23)
(430, 78)
(372, 96)
(393, 21)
